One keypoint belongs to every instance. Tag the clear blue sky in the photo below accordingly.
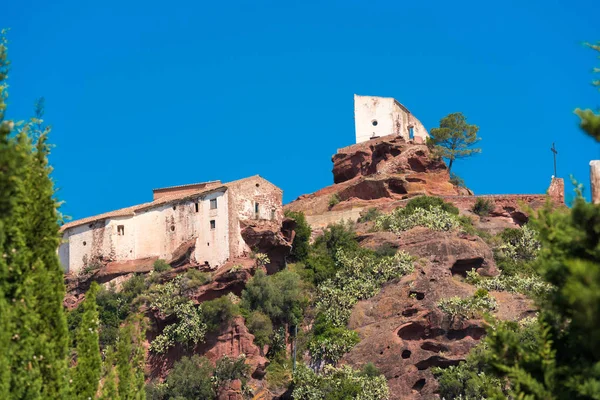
(144, 94)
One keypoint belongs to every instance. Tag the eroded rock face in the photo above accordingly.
(387, 155)
(404, 333)
(233, 341)
(383, 169)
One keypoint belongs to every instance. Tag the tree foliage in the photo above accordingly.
(590, 121)
(300, 246)
(86, 374)
(34, 335)
(455, 138)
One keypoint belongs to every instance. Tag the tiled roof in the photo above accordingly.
(130, 211)
(186, 185)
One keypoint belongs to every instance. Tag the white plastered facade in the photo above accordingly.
(382, 116)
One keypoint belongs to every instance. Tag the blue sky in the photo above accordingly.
(145, 94)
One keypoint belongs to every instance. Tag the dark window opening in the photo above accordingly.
(84, 243)
(256, 210)
(272, 214)
(257, 185)
(174, 207)
(213, 224)
(411, 132)
(213, 204)
(172, 228)
(197, 207)
(120, 230)
(374, 122)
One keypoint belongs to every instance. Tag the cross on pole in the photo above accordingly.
(553, 149)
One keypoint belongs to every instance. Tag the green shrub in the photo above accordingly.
(386, 250)
(301, 244)
(194, 278)
(469, 307)
(165, 297)
(228, 369)
(457, 180)
(519, 244)
(278, 296)
(403, 219)
(334, 199)
(426, 202)
(161, 266)
(190, 378)
(483, 207)
(329, 342)
(338, 384)
(532, 285)
(261, 327)
(279, 373)
(218, 312)
(360, 276)
(188, 330)
(370, 215)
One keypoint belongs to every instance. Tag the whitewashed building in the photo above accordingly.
(205, 217)
(382, 116)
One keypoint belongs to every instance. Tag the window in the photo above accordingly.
(374, 122)
(172, 228)
(256, 210)
(120, 230)
(197, 208)
(213, 224)
(272, 214)
(174, 208)
(213, 204)
(411, 133)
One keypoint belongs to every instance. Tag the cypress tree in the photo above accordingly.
(109, 389)
(130, 361)
(86, 375)
(34, 332)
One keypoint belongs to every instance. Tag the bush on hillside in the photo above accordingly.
(403, 219)
(426, 202)
(334, 199)
(301, 244)
(468, 307)
(370, 215)
(483, 207)
(161, 266)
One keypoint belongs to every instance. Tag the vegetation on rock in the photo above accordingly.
(455, 138)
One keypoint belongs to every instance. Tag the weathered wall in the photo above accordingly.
(243, 196)
(153, 232)
(382, 116)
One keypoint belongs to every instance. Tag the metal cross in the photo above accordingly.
(553, 149)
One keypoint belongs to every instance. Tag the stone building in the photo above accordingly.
(205, 219)
(382, 116)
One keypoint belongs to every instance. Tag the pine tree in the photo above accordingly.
(590, 121)
(86, 374)
(454, 138)
(33, 361)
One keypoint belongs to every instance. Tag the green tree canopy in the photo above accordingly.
(86, 374)
(34, 336)
(455, 138)
(590, 121)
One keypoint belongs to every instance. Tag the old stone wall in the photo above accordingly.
(252, 198)
(153, 232)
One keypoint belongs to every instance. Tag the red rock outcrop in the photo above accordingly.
(382, 169)
(402, 330)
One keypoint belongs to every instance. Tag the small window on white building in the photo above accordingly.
(374, 122)
(272, 214)
(197, 207)
(213, 224)
(256, 210)
(213, 204)
(120, 230)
